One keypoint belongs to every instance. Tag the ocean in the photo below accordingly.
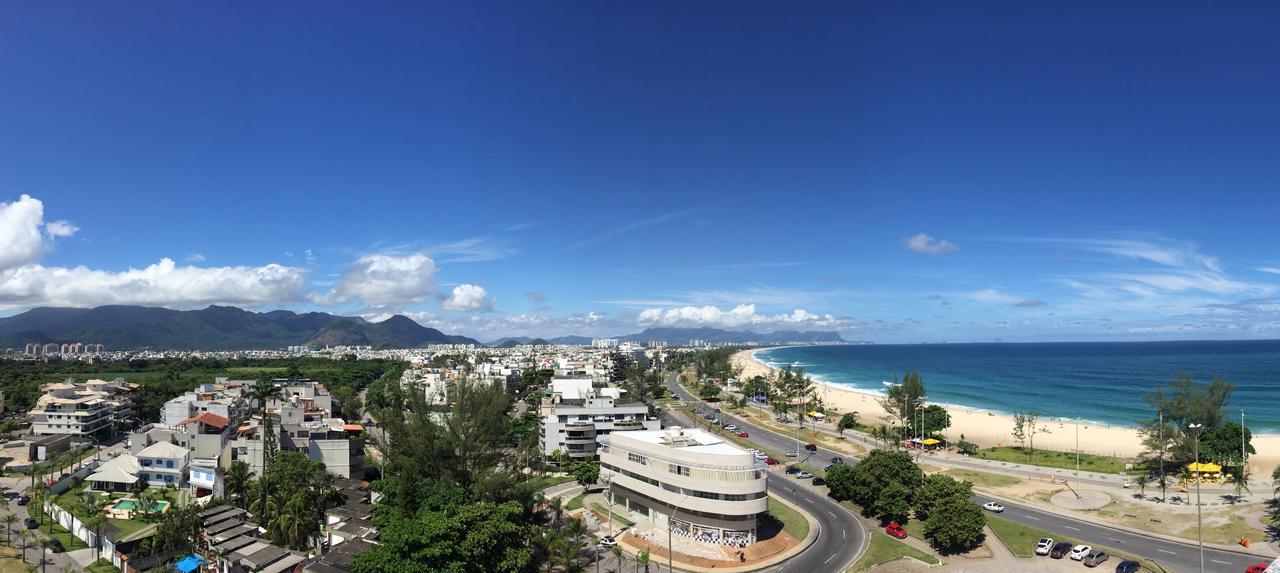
(1098, 381)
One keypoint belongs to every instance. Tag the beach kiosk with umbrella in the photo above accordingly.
(1205, 472)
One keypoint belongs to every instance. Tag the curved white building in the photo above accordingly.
(710, 490)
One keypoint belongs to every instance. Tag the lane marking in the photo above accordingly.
(1115, 540)
(1220, 562)
(832, 515)
(1072, 528)
(833, 556)
(1033, 517)
(842, 533)
(1169, 552)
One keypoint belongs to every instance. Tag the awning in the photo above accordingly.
(817, 415)
(931, 442)
(190, 563)
(1204, 468)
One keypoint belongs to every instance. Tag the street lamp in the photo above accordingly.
(1199, 530)
(1033, 431)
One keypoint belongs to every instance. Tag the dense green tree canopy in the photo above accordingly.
(955, 525)
(938, 488)
(459, 538)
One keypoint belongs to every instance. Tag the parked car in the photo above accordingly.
(770, 461)
(1060, 550)
(811, 447)
(1043, 547)
(731, 427)
(837, 460)
(803, 475)
(23, 500)
(31, 523)
(607, 542)
(1259, 568)
(793, 469)
(1095, 558)
(1133, 567)
(895, 530)
(56, 546)
(1078, 552)
(790, 454)
(753, 450)
(743, 435)
(819, 481)
(11, 495)
(760, 456)
(828, 467)
(993, 507)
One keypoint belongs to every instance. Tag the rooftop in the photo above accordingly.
(685, 439)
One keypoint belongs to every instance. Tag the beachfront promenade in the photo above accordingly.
(1174, 553)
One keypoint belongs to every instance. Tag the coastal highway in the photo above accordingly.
(1172, 555)
(841, 536)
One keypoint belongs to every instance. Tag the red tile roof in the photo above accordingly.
(208, 419)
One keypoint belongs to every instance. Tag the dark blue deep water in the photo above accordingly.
(1101, 381)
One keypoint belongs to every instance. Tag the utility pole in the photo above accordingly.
(1199, 528)
(1077, 456)
(1243, 459)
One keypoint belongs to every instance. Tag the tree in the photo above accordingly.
(708, 390)
(642, 560)
(460, 538)
(44, 551)
(1142, 486)
(617, 554)
(893, 503)
(1240, 482)
(237, 481)
(586, 473)
(94, 518)
(9, 519)
(847, 422)
(1222, 444)
(966, 447)
(902, 399)
(840, 480)
(933, 419)
(262, 392)
(1025, 430)
(1163, 482)
(938, 488)
(871, 477)
(955, 525)
(1178, 406)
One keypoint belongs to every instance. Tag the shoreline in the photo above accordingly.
(990, 429)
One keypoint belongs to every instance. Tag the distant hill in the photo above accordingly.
(513, 341)
(682, 336)
(212, 328)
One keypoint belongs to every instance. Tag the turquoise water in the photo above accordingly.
(132, 505)
(1103, 381)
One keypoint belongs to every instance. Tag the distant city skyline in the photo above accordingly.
(961, 173)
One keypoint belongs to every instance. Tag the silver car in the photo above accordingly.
(1095, 558)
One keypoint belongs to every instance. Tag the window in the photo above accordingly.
(679, 470)
(637, 458)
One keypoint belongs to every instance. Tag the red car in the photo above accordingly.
(743, 435)
(1259, 568)
(771, 461)
(895, 530)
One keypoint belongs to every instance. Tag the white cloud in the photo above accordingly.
(922, 243)
(21, 239)
(1271, 270)
(468, 298)
(384, 280)
(161, 284)
(59, 229)
(636, 226)
(741, 316)
(195, 258)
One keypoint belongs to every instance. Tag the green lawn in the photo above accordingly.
(982, 479)
(540, 483)
(1054, 459)
(884, 549)
(128, 526)
(69, 542)
(792, 522)
(575, 503)
(102, 566)
(1021, 539)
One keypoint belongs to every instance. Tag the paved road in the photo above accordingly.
(841, 538)
(1173, 556)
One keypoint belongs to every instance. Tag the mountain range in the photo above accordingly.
(212, 328)
(230, 328)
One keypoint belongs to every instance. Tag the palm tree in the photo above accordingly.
(293, 523)
(556, 505)
(1142, 486)
(1240, 480)
(94, 518)
(1275, 481)
(24, 536)
(576, 528)
(9, 519)
(642, 559)
(237, 481)
(263, 391)
(1163, 482)
(37, 497)
(44, 552)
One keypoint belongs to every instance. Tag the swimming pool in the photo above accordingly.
(132, 505)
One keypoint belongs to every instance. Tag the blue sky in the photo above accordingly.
(901, 172)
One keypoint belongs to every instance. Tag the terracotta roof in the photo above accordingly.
(353, 427)
(208, 419)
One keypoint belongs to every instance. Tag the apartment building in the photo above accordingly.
(82, 410)
(223, 397)
(690, 480)
(577, 413)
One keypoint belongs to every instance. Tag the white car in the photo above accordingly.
(804, 475)
(607, 542)
(760, 455)
(731, 427)
(1043, 547)
(790, 454)
(993, 507)
(1078, 552)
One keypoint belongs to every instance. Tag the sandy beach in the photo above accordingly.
(989, 429)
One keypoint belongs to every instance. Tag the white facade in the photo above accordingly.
(700, 485)
(576, 414)
(162, 464)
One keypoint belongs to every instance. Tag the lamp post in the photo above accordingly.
(1199, 530)
(1033, 430)
(608, 484)
(1243, 456)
